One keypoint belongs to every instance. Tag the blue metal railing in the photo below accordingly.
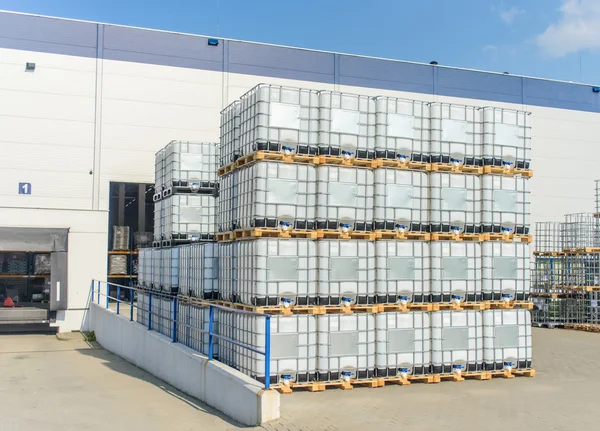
(97, 292)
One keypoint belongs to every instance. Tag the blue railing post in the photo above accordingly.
(131, 295)
(107, 293)
(92, 287)
(150, 311)
(175, 320)
(118, 298)
(268, 352)
(211, 315)
(98, 292)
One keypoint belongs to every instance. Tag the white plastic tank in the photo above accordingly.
(157, 268)
(345, 198)
(191, 164)
(189, 217)
(402, 271)
(506, 272)
(456, 342)
(274, 271)
(228, 263)
(192, 319)
(346, 346)
(455, 134)
(141, 311)
(204, 270)
(226, 326)
(346, 125)
(170, 270)
(455, 271)
(507, 341)
(158, 220)
(506, 137)
(401, 200)
(275, 195)
(505, 204)
(402, 129)
(159, 170)
(346, 272)
(293, 347)
(402, 344)
(455, 202)
(229, 148)
(162, 307)
(279, 119)
(145, 268)
(227, 201)
(185, 269)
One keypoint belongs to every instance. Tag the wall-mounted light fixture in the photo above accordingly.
(596, 89)
(30, 67)
(213, 42)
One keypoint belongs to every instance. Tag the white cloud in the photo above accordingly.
(577, 29)
(490, 48)
(509, 15)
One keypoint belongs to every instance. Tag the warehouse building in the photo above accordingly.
(85, 106)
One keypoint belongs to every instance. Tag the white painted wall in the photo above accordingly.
(49, 120)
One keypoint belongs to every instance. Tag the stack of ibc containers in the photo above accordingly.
(422, 249)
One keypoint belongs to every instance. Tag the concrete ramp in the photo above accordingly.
(227, 390)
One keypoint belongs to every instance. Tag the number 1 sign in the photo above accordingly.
(24, 188)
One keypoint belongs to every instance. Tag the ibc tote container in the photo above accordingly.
(145, 268)
(506, 137)
(455, 203)
(346, 272)
(227, 202)
(455, 271)
(506, 273)
(230, 147)
(204, 270)
(157, 268)
(505, 204)
(402, 272)
(401, 129)
(274, 194)
(191, 164)
(293, 347)
(401, 200)
(192, 319)
(225, 325)
(279, 119)
(190, 217)
(274, 271)
(455, 134)
(228, 264)
(162, 315)
(141, 311)
(346, 125)
(345, 198)
(402, 344)
(158, 220)
(170, 270)
(456, 342)
(346, 346)
(507, 339)
(185, 269)
(159, 170)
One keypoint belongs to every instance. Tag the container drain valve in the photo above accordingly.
(347, 301)
(285, 225)
(457, 369)
(288, 151)
(403, 158)
(506, 297)
(401, 228)
(508, 366)
(346, 376)
(345, 227)
(195, 186)
(455, 162)
(287, 303)
(404, 372)
(456, 230)
(347, 154)
(404, 299)
(456, 299)
(287, 380)
(507, 164)
(506, 230)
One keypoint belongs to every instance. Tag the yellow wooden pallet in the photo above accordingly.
(492, 305)
(588, 327)
(260, 232)
(389, 163)
(447, 236)
(403, 381)
(458, 169)
(404, 308)
(402, 236)
(338, 234)
(506, 170)
(458, 306)
(321, 386)
(335, 160)
(507, 238)
(548, 253)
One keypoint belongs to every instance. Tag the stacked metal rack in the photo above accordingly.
(388, 239)
(566, 273)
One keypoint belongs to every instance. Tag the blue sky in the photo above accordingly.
(557, 39)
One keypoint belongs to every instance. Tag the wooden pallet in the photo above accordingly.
(390, 163)
(321, 386)
(550, 295)
(459, 169)
(507, 238)
(439, 236)
(503, 170)
(357, 308)
(338, 234)
(334, 160)
(383, 308)
(402, 236)
(588, 327)
(271, 309)
(275, 156)
(260, 232)
(399, 380)
(585, 250)
(484, 375)
(454, 306)
(548, 253)
(583, 288)
(495, 305)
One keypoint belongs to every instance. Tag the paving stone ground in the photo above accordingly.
(52, 384)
